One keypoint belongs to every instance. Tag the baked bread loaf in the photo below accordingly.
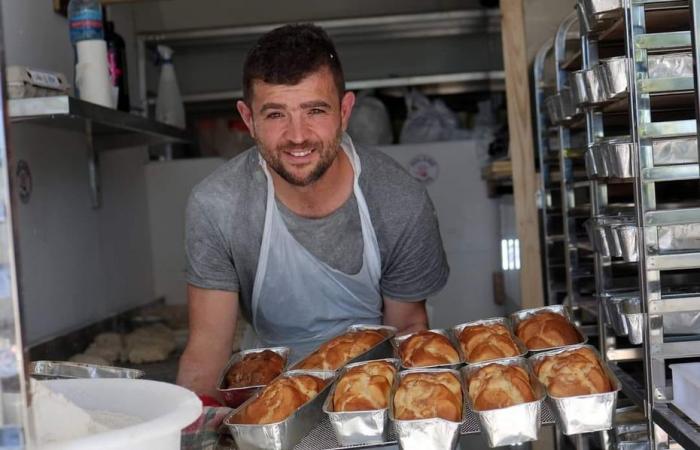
(427, 348)
(280, 399)
(255, 369)
(575, 372)
(498, 386)
(335, 353)
(485, 342)
(547, 329)
(427, 396)
(365, 387)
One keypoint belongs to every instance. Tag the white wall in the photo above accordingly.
(77, 265)
(169, 185)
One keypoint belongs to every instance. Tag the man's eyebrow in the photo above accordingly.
(267, 106)
(315, 104)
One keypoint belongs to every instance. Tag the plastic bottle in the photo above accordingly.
(169, 106)
(116, 61)
(85, 20)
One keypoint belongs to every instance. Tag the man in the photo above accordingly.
(304, 234)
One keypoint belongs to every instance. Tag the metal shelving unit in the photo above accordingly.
(654, 110)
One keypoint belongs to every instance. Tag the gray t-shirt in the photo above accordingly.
(226, 212)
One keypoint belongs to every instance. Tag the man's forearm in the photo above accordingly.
(197, 372)
(413, 327)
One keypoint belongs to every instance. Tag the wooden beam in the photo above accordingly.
(522, 152)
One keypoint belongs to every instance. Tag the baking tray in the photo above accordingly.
(670, 65)
(675, 151)
(383, 349)
(286, 434)
(52, 370)
(358, 427)
(679, 237)
(583, 413)
(523, 314)
(515, 424)
(234, 397)
(426, 434)
(457, 330)
(396, 342)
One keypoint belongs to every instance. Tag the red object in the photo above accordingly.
(208, 400)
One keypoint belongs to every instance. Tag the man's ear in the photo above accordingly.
(346, 104)
(247, 116)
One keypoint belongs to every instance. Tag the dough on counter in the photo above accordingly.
(108, 353)
(149, 344)
(146, 353)
(112, 340)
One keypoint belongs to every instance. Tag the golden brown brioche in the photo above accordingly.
(255, 369)
(428, 395)
(281, 398)
(547, 329)
(365, 387)
(427, 348)
(498, 386)
(338, 351)
(576, 372)
(484, 342)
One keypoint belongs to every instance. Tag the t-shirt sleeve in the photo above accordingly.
(417, 267)
(208, 258)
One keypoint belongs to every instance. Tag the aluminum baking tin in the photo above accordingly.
(595, 85)
(457, 330)
(515, 424)
(583, 413)
(51, 370)
(383, 349)
(234, 397)
(619, 156)
(627, 236)
(579, 92)
(523, 314)
(599, 14)
(634, 319)
(561, 106)
(670, 65)
(358, 427)
(396, 342)
(283, 435)
(675, 151)
(612, 305)
(614, 73)
(425, 434)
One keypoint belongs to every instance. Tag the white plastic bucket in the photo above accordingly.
(165, 409)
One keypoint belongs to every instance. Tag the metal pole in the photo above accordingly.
(13, 384)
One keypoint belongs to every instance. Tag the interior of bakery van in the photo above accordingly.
(396, 224)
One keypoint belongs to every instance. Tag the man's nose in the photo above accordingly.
(296, 129)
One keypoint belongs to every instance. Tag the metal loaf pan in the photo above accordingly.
(286, 434)
(614, 72)
(592, 170)
(579, 93)
(634, 319)
(234, 397)
(612, 304)
(457, 330)
(583, 413)
(595, 85)
(396, 342)
(675, 151)
(599, 160)
(383, 349)
(523, 314)
(600, 9)
(358, 427)
(515, 424)
(52, 370)
(425, 434)
(627, 236)
(619, 156)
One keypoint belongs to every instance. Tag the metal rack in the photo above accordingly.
(654, 109)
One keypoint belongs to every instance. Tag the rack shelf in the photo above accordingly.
(111, 129)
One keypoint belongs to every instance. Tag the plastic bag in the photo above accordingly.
(369, 123)
(429, 121)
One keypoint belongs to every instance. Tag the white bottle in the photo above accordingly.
(169, 106)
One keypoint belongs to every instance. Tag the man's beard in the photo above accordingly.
(327, 154)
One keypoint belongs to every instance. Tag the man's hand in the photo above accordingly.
(212, 324)
(407, 317)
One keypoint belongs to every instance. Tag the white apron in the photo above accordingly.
(299, 301)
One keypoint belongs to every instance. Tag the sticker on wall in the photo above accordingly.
(24, 181)
(424, 168)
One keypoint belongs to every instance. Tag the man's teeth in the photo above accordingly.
(301, 153)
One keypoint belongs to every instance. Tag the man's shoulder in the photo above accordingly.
(387, 181)
(232, 181)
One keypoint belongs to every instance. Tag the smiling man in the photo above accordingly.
(305, 233)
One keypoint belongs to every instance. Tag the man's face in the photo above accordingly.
(298, 128)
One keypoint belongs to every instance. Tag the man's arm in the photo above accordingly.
(212, 322)
(407, 317)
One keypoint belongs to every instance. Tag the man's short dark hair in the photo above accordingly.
(286, 55)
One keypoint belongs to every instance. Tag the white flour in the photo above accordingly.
(57, 419)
